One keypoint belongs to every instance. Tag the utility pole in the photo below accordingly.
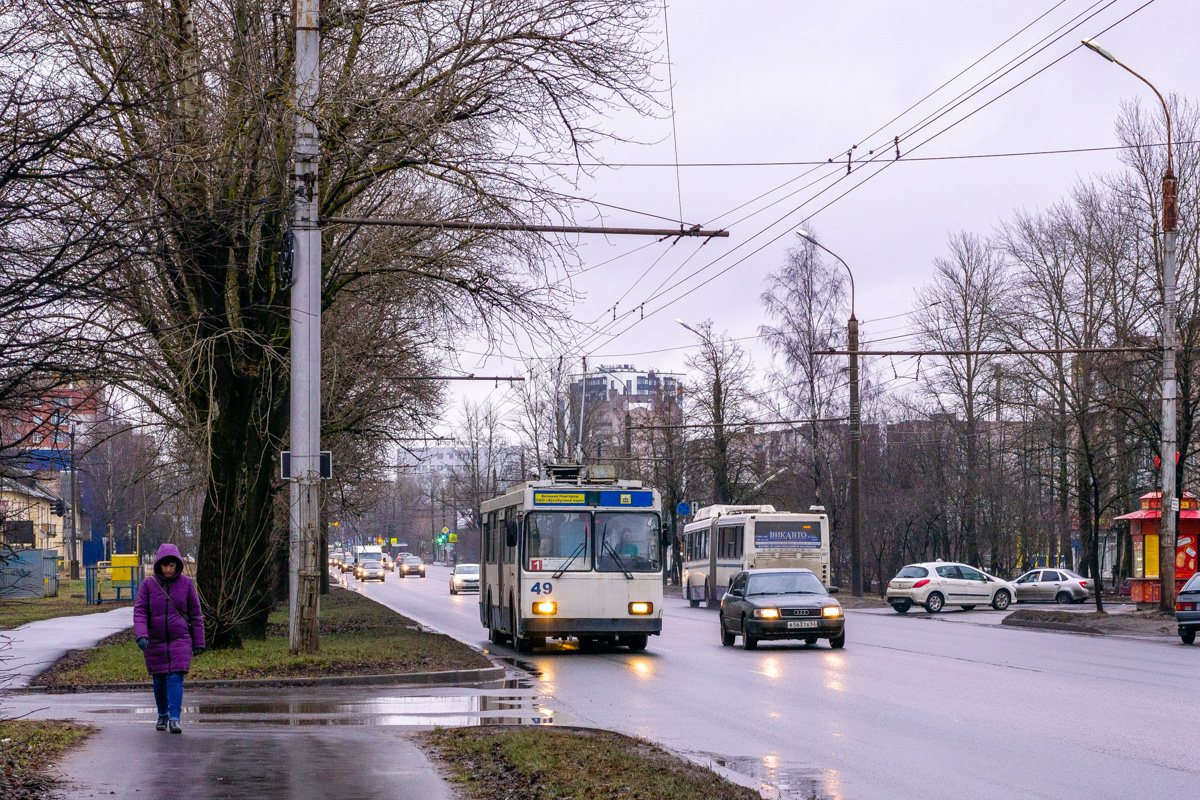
(855, 430)
(582, 409)
(1169, 504)
(304, 516)
(74, 560)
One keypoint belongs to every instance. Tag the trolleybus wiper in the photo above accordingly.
(617, 558)
(582, 546)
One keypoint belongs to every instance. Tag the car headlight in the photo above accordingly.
(831, 611)
(545, 607)
(458, 579)
(641, 608)
(767, 613)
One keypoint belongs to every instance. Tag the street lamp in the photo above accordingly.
(855, 429)
(1169, 505)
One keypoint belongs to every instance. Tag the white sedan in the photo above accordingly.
(938, 584)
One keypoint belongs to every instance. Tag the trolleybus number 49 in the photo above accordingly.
(541, 588)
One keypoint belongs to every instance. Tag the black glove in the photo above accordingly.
(197, 651)
(143, 643)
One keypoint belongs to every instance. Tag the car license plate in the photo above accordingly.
(802, 623)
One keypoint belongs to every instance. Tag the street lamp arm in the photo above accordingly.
(849, 271)
(1166, 110)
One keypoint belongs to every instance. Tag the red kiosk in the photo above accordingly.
(1144, 531)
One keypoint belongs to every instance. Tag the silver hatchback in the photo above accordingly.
(1187, 609)
(1052, 586)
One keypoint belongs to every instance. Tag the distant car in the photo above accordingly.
(780, 604)
(1126, 588)
(937, 584)
(369, 571)
(412, 566)
(401, 556)
(1051, 586)
(388, 563)
(1187, 609)
(347, 563)
(464, 578)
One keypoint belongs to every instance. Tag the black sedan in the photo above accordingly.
(781, 604)
(412, 565)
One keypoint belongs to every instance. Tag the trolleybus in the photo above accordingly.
(572, 555)
(724, 540)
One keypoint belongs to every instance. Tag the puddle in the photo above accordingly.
(778, 777)
(511, 704)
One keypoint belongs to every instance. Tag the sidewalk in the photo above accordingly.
(34, 647)
(270, 744)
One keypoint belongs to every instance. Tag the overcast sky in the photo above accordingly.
(803, 80)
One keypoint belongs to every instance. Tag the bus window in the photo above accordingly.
(487, 536)
(557, 540)
(627, 542)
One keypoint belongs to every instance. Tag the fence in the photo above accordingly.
(110, 585)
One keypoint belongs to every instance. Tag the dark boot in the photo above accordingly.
(173, 726)
(161, 725)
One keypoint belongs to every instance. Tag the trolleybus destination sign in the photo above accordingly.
(789, 535)
(601, 498)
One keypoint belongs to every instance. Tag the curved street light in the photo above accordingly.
(1169, 502)
(855, 429)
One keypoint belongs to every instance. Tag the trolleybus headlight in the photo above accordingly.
(767, 613)
(831, 611)
(545, 607)
(641, 608)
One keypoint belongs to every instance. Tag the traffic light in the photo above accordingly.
(58, 507)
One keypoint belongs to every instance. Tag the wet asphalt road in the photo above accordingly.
(913, 707)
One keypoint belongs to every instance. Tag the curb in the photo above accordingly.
(471, 676)
(1069, 627)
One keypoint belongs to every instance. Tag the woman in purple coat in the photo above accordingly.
(169, 630)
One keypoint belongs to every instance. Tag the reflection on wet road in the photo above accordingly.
(913, 707)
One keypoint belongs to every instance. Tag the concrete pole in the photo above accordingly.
(855, 482)
(304, 517)
(1170, 502)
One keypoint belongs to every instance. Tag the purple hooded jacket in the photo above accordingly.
(167, 612)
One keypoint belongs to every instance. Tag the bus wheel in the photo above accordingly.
(636, 642)
(522, 644)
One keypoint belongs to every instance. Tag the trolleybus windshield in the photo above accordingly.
(627, 542)
(558, 541)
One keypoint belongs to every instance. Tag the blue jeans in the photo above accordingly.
(168, 694)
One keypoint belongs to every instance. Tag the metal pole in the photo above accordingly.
(304, 574)
(855, 482)
(74, 561)
(582, 409)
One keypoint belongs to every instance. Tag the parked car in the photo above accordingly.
(464, 578)
(780, 604)
(369, 571)
(1126, 588)
(1187, 609)
(1051, 586)
(937, 584)
(412, 565)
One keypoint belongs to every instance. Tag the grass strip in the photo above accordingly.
(358, 637)
(542, 763)
(28, 748)
(70, 602)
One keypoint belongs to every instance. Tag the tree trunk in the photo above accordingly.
(236, 522)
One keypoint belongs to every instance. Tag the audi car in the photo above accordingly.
(780, 604)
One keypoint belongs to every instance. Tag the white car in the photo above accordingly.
(938, 584)
(464, 578)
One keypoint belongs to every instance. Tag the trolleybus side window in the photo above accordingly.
(487, 535)
(627, 542)
(730, 540)
(557, 540)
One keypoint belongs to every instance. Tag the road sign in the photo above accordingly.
(403, 544)
(445, 530)
(285, 464)
(683, 509)
(454, 538)
(393, 542)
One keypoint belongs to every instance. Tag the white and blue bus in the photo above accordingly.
(724, 540)
(572, 555)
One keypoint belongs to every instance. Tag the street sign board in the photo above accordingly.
(285, 464)
(445, 530)
(454, 538)
(683, 509)
(393, 542)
